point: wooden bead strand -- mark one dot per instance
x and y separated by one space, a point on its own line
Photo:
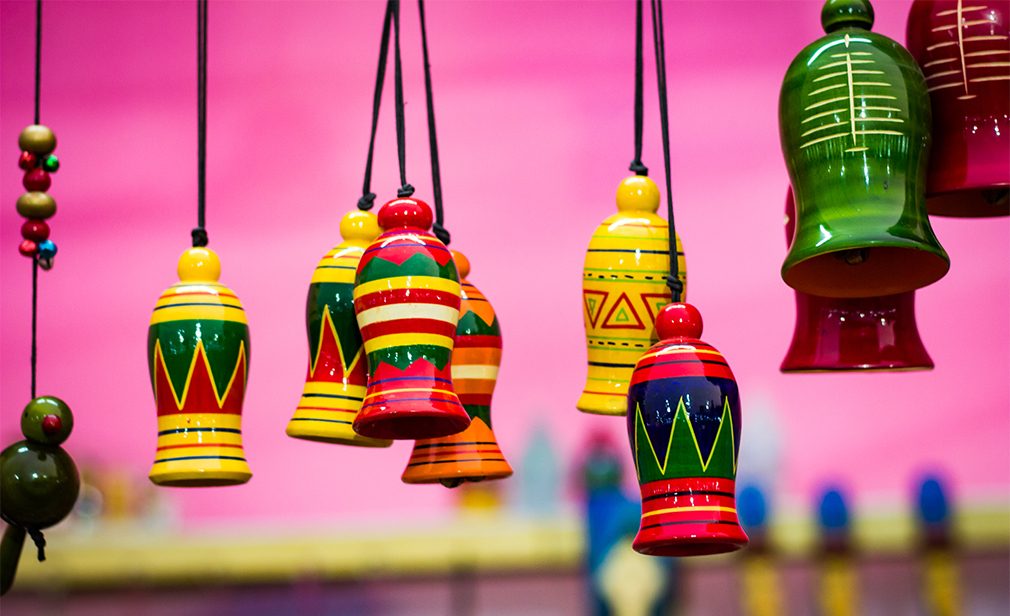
37 160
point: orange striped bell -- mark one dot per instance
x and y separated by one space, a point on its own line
473 454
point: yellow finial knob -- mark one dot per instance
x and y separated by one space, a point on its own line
359 227
462 263
637 193
199 265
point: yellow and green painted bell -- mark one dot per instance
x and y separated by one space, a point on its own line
198 355
338 370
623 288
854 119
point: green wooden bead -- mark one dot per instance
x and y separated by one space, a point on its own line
51 163
47 420
39 484
37 139
37 205
838 14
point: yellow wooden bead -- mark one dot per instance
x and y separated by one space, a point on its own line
37 139
199 265
359 227
637 193
37 205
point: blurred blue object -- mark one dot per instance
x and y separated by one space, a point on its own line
833 512
612 520
752 508
933 509
538 482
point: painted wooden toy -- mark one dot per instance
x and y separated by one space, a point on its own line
407 298
623 288
853 333
198 355
964 51
684 427
761 586
338 371
855 127
37 160
473 454
939 575
838 592
39 482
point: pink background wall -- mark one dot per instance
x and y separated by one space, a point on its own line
534 112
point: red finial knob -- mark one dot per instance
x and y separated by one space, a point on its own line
678 321
51 424
405 212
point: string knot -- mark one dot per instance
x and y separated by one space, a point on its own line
676 287
199 237
441 233
638 168
405 191
367 201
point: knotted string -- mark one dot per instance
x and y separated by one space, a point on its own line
367 199
636 163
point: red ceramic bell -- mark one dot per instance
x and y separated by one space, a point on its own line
963 50
866 333
406 301
684 428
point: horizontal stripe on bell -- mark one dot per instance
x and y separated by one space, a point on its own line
198 312
445 453
473 371
403 381
471 341
400 283
192 421
395 312
412 327
183 458
469 399
406 297
406 340
680 369
334 388
393 401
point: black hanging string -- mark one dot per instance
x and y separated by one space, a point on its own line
367 199
436 173
673 280
406 189
200 232
35 258
636 163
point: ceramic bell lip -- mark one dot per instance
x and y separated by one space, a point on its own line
962 50
406 300
848 334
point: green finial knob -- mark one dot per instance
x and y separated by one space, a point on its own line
838 14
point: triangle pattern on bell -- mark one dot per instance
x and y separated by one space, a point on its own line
654 302
594 301
622 315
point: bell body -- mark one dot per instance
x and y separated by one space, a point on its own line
859 333
854 121
473 454
338 371
407 298
963 49
623 288
198 355
684 428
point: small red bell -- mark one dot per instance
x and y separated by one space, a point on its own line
865 333
962 50
684 427
406 301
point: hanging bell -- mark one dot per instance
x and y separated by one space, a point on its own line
857 333
473 454
684 427
854 121
338 370
623 288
407 298
963 51
198 355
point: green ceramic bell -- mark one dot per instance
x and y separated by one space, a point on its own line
854 120
39 482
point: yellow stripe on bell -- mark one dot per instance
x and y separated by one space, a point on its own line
336 381
623 288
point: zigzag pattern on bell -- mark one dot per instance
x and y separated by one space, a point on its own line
407 300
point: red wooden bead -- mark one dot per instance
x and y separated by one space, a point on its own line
27 161
35 230
37 180
27 248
